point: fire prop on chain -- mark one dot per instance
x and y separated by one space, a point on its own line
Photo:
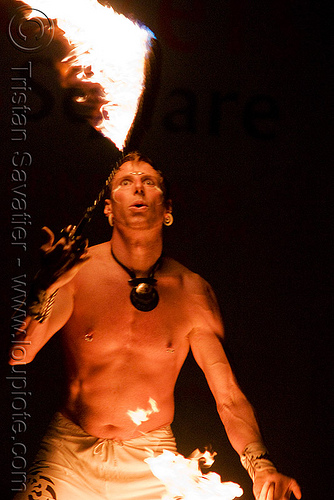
110 52
107 49
184 480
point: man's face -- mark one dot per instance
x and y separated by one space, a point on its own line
136 196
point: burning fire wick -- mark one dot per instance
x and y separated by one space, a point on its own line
183 478
140 415
108 56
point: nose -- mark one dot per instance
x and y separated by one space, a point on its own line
138 186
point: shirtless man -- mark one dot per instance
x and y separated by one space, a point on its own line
120 357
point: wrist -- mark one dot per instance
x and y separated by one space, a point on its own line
44 281
255 459
40 302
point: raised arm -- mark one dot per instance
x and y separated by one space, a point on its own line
50 300
234 409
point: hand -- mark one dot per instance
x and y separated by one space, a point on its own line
61 261
271 485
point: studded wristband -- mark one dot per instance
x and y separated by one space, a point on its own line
255 458
40 304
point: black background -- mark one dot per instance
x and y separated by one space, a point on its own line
242 128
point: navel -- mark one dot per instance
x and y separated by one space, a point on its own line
89 337
170 348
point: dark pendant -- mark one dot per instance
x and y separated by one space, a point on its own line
144 297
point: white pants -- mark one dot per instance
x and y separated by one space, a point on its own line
72 465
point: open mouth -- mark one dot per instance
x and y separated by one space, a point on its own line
139 205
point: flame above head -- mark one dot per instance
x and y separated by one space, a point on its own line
183 478
108 49
140 415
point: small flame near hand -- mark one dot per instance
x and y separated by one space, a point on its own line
184 480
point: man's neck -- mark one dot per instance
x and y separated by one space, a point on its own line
137 250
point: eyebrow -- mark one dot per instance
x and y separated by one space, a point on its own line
123 175
144 174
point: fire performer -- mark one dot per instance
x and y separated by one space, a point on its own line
128 316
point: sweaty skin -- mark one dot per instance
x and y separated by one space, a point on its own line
120 359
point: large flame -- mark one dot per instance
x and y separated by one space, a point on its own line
184 480
182 476
109 50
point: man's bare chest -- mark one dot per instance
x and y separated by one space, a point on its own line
104 318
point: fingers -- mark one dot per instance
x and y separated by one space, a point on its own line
61 260
50 238
277 488
295 489
264 491
270 494
80 245
66 252
67 232
68 240
267 492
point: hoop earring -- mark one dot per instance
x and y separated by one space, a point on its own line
169 219
110 220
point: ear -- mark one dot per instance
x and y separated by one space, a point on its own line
107 207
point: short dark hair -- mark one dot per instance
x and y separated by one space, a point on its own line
137 157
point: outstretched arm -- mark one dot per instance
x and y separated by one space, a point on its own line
234 409
50 300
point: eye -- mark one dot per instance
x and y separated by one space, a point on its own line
149 182
125 182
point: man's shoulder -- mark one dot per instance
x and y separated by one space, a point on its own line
99 246
97 257
199 298
101 250
188 277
